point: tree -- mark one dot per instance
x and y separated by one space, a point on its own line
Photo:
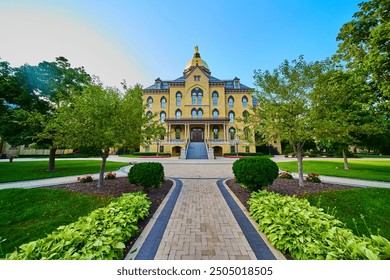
284 105
32 94
364 47
340 112
101 118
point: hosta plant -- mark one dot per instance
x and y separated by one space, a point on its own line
306 232
99 236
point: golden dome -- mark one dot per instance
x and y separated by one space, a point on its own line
196 61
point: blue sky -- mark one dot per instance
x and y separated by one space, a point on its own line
141 40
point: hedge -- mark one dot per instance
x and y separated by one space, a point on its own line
98 236
293 226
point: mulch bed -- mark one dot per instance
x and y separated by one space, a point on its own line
284 187
116 188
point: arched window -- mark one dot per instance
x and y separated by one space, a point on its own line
163 102
149 114
232 133
177 132
163 115
244 102
215 114
215 132
246 133
245 115
215 98
231 116
193 113
178 114
200 113
231 102
150 102
178 98
197 96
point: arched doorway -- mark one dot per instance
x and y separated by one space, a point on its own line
176 151
217 151
197 134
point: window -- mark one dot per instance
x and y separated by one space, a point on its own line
163 116
232 133
147 149
246 133
178 98
245 115
161 149
177 132
193 113
149 114
215 98
215 132
200 113
236 84
231 116
150 102
215 114
244 102
247 149
200 95
196 78
231 102
232 149
178 114
163 102
193 98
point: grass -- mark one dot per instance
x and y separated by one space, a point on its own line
32 170
30 214
349 205
376 170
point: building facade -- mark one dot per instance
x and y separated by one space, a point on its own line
200 108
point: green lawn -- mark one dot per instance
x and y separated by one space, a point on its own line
31 170
377 170
372 203
30 214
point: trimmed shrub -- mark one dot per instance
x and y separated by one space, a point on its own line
150 154
99 236
255 172
147 175
243 154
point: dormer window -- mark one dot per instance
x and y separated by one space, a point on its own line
236 83
157 83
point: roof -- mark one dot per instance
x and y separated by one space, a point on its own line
228 83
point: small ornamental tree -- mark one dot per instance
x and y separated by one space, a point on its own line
255 172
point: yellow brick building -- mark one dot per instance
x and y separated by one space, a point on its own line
198 109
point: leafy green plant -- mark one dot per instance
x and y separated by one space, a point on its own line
255 172
98 236
292 225
147 175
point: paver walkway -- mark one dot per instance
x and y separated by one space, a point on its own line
203 227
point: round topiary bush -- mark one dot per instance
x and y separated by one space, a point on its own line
147 175
255 172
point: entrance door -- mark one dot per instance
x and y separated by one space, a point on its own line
197 135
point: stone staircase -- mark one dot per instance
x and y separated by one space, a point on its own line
197 150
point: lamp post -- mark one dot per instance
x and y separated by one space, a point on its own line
237 141
158 146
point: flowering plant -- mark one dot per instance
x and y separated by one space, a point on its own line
110 175
85 179
313 177
285 175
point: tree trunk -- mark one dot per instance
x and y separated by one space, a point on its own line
52 159
101 175
300 168
346 166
